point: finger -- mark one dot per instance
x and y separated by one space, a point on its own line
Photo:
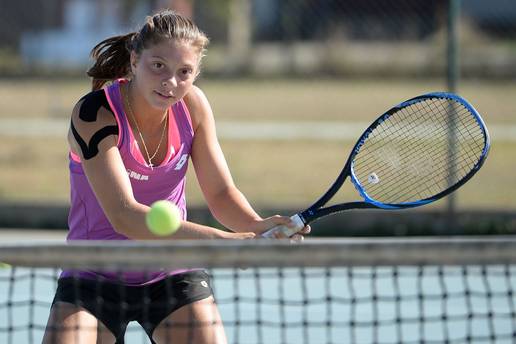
280 235
281 220
296 238
249 235
306 230
277 221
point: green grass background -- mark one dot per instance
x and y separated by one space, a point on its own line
270 173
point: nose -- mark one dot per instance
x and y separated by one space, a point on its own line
169 82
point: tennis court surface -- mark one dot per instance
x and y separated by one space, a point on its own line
407 290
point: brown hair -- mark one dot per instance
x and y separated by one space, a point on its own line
113 55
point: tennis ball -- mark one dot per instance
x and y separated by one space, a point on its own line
164 218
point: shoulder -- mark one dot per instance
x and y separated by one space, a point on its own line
93 110
198 106
92 121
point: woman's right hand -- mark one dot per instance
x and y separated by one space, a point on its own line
237 236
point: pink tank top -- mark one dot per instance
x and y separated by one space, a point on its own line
87 220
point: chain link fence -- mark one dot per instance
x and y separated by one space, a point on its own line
310 66
270 37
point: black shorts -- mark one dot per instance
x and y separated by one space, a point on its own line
115 304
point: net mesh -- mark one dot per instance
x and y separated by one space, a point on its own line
458 290
419 151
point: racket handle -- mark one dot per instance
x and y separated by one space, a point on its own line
287 231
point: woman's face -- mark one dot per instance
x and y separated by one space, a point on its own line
165 72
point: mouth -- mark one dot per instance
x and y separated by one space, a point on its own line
164 95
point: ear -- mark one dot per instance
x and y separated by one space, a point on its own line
134 61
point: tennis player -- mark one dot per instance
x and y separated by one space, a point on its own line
130 142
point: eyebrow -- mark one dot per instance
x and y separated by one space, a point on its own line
165 60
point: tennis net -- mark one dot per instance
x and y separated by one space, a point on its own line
410 290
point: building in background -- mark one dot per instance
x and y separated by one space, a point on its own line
83 24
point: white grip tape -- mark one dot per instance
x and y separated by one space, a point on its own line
287 231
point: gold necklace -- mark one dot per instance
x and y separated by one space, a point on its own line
149 158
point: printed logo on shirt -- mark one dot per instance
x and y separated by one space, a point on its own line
137 176
183 160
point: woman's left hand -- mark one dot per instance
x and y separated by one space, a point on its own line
276 220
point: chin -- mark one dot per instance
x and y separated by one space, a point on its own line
162 102
159 104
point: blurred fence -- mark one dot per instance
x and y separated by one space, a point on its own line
271 37
365 55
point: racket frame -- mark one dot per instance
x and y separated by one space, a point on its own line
317 209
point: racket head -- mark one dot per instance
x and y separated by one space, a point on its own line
418 152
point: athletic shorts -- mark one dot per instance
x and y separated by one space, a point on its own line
115 304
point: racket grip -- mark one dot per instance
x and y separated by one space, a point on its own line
287 231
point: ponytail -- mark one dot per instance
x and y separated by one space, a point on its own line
112 60
113 55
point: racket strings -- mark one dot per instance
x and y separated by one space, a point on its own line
449 162
419 151
417 165
438 163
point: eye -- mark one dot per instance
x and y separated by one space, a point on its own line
186 71
157 65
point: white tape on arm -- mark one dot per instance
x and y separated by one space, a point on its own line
287 231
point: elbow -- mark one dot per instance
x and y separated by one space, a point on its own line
215 200
118 225
219 195
124 218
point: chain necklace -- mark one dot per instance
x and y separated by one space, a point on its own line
149 157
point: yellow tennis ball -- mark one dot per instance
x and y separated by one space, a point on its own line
164 218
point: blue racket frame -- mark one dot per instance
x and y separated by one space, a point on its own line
316 210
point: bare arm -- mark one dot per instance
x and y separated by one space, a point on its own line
109 180
226 202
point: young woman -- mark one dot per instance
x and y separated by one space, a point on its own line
130 142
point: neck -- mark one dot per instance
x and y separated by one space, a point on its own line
149 119
148 138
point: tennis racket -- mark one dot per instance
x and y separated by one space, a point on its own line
416 153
